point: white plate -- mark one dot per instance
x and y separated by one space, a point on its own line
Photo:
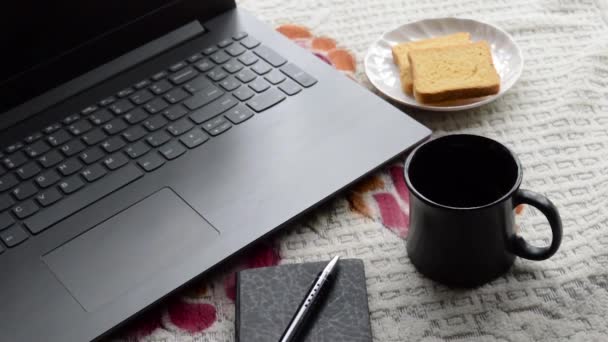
384 74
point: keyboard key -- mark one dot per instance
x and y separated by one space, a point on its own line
290 88
94 137
137 150
121 107
215 108
158 138
211 124
204 65
183 76
25 209
142 84
177 66
246 76
115 161
198 84
28 170
269 56
217 74
209 50
243 93
134 133
77 201
203 97
101 117
71 184
93 173
220 129
235 50
6 202
239 114
37 149
24 190
172 150
107 101
230 83
113 144
125 92
141 97
151 162
33 137
175 112
249 42
135 116
15 160
50 159
73 147
194 138
176 95
298 75
13 236
155 123
115 126
161 87
159 75
232 66
59 137
6 220
92 155
69 167
88 110
71 119
275 77
80 127
194 58
180 127
52 128
266 100
224 42
220 57
239 35
259 85
8 181
48 178
13 147
156 106
48 197
248 58
261 68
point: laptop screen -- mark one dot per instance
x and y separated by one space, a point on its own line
37 37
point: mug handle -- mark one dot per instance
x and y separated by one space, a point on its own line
523 249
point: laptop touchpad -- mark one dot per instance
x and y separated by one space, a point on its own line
130 247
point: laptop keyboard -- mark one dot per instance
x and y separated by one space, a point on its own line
53 173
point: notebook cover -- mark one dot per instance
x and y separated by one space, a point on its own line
268 297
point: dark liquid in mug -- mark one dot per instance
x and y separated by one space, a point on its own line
463 174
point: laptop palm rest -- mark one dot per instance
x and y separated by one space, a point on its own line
128 248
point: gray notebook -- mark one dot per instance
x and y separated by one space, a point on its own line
268 297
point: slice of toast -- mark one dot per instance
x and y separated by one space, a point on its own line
454 72
400 53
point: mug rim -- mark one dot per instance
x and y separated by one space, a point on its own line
425 199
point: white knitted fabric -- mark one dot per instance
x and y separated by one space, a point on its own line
555 118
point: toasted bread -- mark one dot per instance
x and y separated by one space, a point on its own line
400 53
454 72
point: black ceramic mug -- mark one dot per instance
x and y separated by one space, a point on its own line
463 189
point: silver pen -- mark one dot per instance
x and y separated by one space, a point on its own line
306 306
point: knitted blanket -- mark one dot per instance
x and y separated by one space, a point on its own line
555 118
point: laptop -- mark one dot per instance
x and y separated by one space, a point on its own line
143 142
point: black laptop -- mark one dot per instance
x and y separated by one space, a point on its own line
145 141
